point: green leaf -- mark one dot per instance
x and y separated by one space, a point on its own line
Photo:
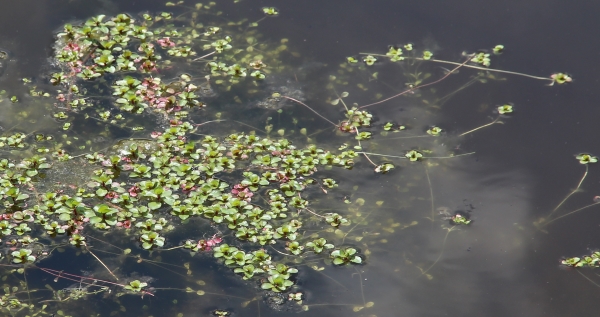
31 173
154 205
101 192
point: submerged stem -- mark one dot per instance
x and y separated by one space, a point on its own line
384 155
201 57
283 253
97 258
569 213
314 213
431 195
469 66
587 278
429 157
359 144
481 127
356 225
571 193
311 109
362 292
445 157
419 86
441 252
27 287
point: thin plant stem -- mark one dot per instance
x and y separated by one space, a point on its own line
359 144
356 225
409 137
250 25
185 290
201 57
441 252
428 157
331 278
384 155
430 194
311 109
325 304
481 127
173 248
443 100
155 263
315 133
14 126
82 154
571 193
569 213
283 253
27 286
342 100
81 279
587 278
142 259
419 86
97 258
223 120
369 159
203 123
112 245
314 213
263 131
446 157
362 293
468 66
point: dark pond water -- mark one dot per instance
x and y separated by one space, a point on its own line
501 264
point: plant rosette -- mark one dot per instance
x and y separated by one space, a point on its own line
345 256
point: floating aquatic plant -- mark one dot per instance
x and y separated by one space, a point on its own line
590 260
427 55
270 11
434 131
481 58
413 155
586 158
135 286
460 219
370 60
561 78
498 49
345 256
505 109
255 197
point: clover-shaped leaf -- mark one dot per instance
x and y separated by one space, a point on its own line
434 131
505 109
345 256
427 55
498 49
413 155
135 286
586 158
270 11
561 78
369 60
384 168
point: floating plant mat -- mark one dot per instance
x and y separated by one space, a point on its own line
140 178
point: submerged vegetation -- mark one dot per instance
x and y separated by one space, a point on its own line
261 204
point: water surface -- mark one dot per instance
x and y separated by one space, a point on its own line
500 265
